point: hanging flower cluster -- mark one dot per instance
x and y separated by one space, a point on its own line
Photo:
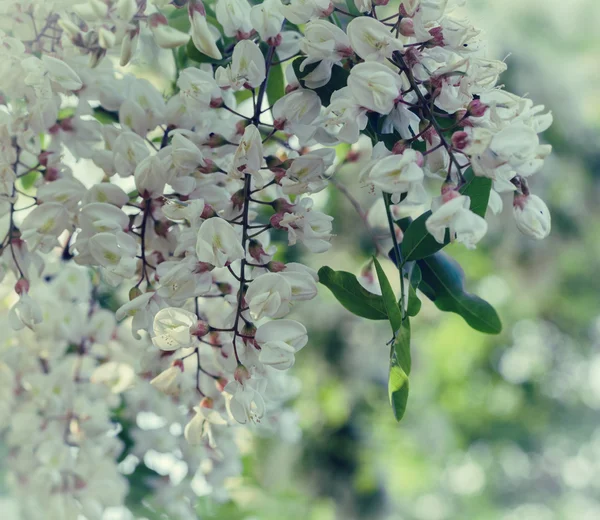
178 199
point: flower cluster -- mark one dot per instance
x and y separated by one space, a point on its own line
178 200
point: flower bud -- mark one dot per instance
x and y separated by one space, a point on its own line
532 216
22 286
165 36
134 292
241 374
200 329
476 108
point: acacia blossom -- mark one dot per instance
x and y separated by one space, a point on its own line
146 209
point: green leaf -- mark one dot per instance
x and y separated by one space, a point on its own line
400 365
106 117
389 298
415 278
339 79
443 283
27 181
353 296
276 82
179 19
478 188
418 243
398 389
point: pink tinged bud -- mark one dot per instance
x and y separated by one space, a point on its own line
325 13
221 383
196 6
238 199
291 88
157 19
215 141
449 192
256 250
203 267
208 212
216 102
244 35
279 174
179 364
207 402
400 147
279 124
200 329
381 2
209 167
283 206
43 158
241 374
476 108
460 140
22 286
438 36
276 219
240 127
51 174
276 41
353 156
407 27
419 160
249 330
276 267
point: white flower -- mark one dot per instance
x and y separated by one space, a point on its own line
169 381
267 20
151 175
246 404
172 328
25 313
218 243
115 252
372 40
234 16
186 156
279 341
117 376
301 280
66 191
247 67
326 44
269 295
295 113
301 11
249 154
375 86
454 214
396 173
44 224
61 73
201 426
165 36
142 309
202 36
197 88
532 216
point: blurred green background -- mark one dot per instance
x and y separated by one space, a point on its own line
498 427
